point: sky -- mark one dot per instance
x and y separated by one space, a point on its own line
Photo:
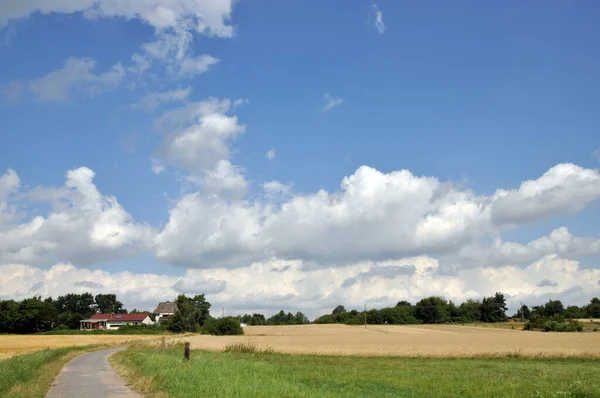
299 155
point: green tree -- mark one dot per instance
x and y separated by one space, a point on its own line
554 307
340 309
523 313
593 308
191 314
573 312
493 309
76 304
432 310
301 319
470 311
108 304
33 315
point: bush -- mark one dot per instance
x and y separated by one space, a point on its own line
60 327
223 327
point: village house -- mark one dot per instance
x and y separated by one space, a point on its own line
164 310
113 321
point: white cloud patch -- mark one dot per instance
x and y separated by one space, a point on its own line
151 101
317 291
331 102
373 216
83 227
270 154
379 25
157 166
175 25
596 154
76 75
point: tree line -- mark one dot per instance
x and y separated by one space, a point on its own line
281 318
552 316
34 315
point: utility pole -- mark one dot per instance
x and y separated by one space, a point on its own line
365 315
522 314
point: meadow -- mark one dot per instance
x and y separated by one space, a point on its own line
164 373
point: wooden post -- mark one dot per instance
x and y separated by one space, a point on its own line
186 353
164 345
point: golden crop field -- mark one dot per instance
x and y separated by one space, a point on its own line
11 345
413 340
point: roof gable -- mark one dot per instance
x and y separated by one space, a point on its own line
166 307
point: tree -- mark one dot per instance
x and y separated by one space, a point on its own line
470 311
301 319
554 307
71 303
108 304
33 315
593 308
493 309
523 313
191 314
340 309
432 310
403 304
574 312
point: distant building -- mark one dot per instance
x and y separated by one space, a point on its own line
113 321
164 310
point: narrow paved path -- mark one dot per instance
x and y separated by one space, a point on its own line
90 376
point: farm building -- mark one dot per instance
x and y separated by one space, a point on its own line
113 321
164 310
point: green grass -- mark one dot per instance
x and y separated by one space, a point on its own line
164 373
30 375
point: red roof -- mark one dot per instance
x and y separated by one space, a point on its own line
119 317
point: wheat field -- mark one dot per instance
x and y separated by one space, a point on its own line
412 341
11 345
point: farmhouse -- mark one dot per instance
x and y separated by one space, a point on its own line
164 310
113 321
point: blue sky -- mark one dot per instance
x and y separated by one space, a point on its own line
478 96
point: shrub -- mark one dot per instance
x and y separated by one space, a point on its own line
223 327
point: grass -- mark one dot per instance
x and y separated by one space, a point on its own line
30 375
241 372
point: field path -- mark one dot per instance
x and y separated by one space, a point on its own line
91 376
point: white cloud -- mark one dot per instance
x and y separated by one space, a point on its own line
208 17
289 285
379 25
596 154
151 101
175 25
76 74
195 66
331 102
270 154
373 216
157 166
84 227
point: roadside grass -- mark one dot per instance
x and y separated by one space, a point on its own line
244 371
30 375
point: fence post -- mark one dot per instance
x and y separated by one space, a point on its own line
164 345
186 353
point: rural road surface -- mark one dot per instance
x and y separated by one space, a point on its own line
90 376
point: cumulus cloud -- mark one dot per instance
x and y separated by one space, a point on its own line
379 25
84 226
270 154
374 215
331 102
293 288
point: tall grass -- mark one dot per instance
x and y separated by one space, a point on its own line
164 373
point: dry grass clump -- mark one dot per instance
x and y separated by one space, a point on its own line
247 347
418 341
